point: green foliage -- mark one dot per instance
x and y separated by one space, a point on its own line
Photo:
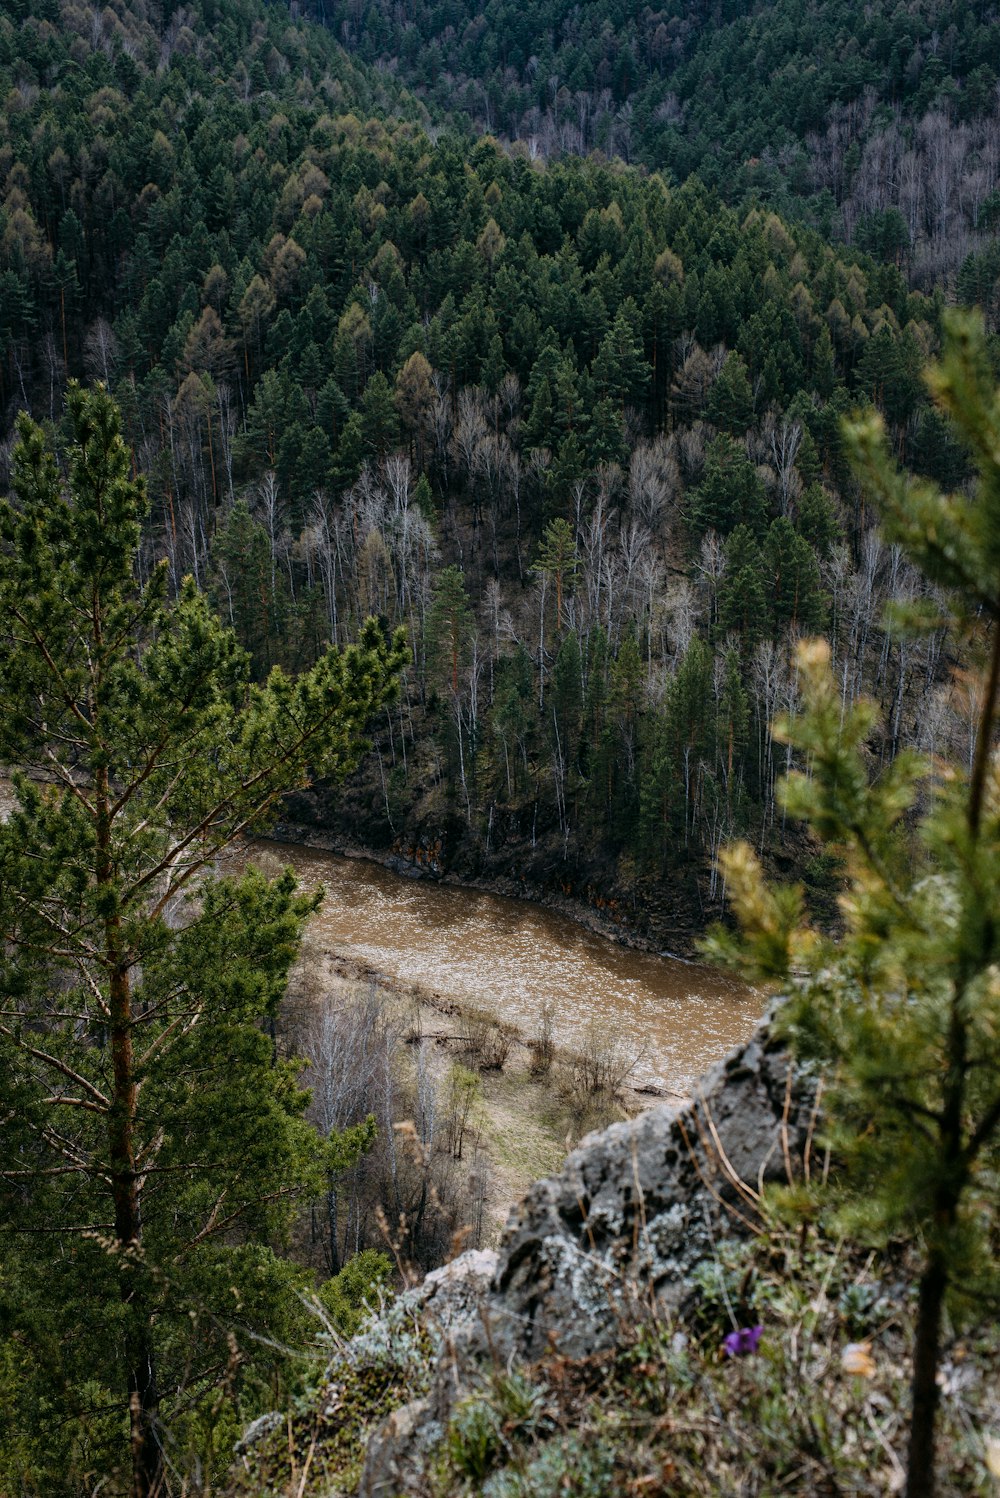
902 1012
348 1297
290 289
568 1465
816 520
728 95
730 492
795 591
449 626
557 561
743 599
730 405
664 1407
157 1141
475 1441
484 1428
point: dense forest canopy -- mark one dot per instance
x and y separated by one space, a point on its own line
575 428
878 122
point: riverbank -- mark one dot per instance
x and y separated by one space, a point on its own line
525 1113
487 951
432 1007
606 916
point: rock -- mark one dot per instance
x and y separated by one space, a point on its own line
638 1206
623 1225
449 1302
395 1458
453 1295
257 1430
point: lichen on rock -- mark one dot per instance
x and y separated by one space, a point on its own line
616 1234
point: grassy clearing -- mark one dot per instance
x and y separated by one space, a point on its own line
523 1119
523 1130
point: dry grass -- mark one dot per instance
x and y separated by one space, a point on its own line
819 1409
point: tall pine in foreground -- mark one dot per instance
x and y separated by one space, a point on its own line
903 1012
153 1143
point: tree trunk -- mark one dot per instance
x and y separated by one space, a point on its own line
332 1230
139 1358
143 1398
926 1352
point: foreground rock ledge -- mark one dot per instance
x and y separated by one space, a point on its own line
638 1205
634 1210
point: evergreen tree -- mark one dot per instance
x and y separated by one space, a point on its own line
816 520
935 451
247 589
730 492
414 396
679 748
620 369
743 598
903 1011
379 423
730 405
795 590
557 560
148 1126
449 625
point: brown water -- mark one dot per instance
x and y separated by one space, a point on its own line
507 955
675 1018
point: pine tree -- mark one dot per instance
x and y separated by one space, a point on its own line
730 492
449 626
247 590
414 396
148 1125
557 560
620 370
730 405
794 589
379 423
743 601
903 1012
816 519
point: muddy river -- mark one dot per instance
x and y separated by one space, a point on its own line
506 955
673 1017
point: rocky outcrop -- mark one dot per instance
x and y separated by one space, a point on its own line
638 1205
624 1224
448 1304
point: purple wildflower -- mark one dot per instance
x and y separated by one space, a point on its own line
741 1342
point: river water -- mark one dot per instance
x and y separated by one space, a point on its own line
506 955
674 1018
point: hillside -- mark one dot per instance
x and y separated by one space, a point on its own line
524 467
575 429
877 123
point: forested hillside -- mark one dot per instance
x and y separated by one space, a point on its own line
568 422
879 122
575 429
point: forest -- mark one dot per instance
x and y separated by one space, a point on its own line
876 124
575 428
528 338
